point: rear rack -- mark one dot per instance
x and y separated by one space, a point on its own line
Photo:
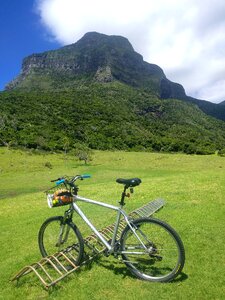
53 268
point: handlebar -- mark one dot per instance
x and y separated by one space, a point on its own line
70 180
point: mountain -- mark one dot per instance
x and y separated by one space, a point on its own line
215 110
102 58
101 93
95 57
222 103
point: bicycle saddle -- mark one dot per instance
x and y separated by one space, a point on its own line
129 182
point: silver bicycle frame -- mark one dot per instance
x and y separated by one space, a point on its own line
120 212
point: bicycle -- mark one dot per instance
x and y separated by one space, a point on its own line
150 248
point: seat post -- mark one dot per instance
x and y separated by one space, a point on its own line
122 203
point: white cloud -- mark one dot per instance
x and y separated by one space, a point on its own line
186 38
212 92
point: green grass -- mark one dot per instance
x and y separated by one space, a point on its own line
194 190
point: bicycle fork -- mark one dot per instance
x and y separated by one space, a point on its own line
64 237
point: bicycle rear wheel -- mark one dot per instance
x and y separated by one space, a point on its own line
160 255
55 236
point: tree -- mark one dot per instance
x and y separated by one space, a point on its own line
7 130
82 152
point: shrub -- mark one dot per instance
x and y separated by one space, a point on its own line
221 152
48 165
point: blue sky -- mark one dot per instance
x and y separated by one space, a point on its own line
21 35
186 38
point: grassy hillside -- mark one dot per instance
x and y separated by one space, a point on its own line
194 190
106 116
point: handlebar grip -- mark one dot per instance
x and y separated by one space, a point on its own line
85 176
60 181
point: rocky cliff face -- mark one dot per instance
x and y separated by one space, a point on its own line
97 57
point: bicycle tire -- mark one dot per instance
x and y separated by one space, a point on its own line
165 257
48 239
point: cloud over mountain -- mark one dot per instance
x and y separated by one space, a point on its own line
184 37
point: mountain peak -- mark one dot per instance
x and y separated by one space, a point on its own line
94 38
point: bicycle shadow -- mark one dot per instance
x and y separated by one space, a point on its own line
180 278
118 268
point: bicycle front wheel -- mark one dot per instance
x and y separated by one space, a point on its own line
153 250
55 236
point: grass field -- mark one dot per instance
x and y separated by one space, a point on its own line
192 186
